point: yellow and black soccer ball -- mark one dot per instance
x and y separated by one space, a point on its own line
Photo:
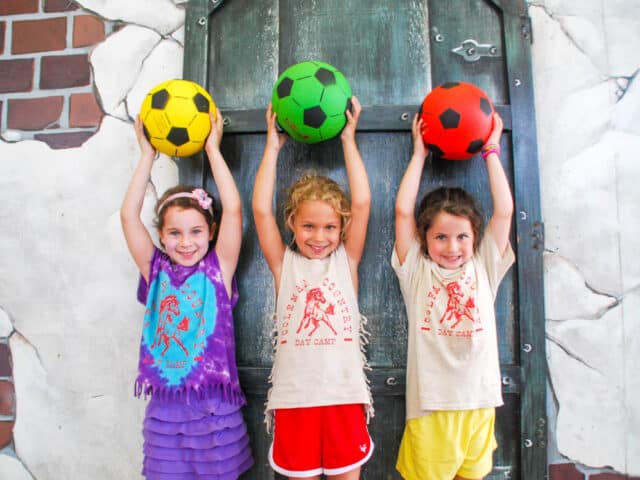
175 116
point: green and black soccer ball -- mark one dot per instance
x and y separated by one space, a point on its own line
310 100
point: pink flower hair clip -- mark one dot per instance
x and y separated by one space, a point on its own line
203 198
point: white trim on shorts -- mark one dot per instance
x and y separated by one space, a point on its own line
319 471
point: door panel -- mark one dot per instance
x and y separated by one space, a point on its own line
391 53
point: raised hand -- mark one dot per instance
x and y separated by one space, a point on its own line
217 124
146 149
275 139
419 147
349 131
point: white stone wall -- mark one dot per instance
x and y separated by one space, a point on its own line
586 56
67 284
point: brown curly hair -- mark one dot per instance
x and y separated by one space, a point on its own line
212 217
312 186
453 200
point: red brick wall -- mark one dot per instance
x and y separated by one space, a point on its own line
569 471
46 83
7 396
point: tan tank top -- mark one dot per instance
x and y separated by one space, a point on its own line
318 355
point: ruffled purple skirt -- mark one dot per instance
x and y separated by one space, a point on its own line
202 440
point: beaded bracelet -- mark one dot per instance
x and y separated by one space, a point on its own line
489 149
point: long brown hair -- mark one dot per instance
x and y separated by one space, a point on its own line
212 217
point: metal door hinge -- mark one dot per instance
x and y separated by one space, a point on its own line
538 235
525 27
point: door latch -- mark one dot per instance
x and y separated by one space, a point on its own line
472 51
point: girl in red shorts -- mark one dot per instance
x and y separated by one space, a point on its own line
319 397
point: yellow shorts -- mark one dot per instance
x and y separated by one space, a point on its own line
444 444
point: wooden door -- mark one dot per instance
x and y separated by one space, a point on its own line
392 53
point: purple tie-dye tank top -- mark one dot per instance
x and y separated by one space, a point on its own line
188 345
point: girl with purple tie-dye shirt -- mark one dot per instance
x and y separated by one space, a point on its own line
193 427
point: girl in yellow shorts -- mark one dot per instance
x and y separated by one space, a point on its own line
449 267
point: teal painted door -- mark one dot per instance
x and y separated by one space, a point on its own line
392 53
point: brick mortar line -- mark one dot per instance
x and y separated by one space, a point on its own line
21 17
48 53
35 93
52 131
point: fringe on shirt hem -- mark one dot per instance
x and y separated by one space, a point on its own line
364 336
364 341
189 392
268 414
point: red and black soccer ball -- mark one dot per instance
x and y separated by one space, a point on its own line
457 118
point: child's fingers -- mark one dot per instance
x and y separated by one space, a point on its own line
269 114
496 131
357 108
219 119
417 125
497 121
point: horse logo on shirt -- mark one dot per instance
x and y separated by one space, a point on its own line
168 329
315 312
457 311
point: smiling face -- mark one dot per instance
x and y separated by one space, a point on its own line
316 229
185 235
450 240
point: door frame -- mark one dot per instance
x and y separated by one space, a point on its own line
528 378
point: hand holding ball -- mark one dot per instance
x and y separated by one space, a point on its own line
457 118
175 116
310 99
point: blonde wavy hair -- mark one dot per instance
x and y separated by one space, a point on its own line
310 187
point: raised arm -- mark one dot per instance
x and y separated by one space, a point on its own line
356 233
230 229
266 226
135 233
408 192
500 221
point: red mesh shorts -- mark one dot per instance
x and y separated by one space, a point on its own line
315 440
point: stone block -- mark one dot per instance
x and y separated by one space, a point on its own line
84 110
46 35
34 113
12 468
16 75
87 30
6 432
564 471
7 399
65 71
608 476
59 141
59 6
15 7
116 63
6 327
586 364
3 27
6 365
